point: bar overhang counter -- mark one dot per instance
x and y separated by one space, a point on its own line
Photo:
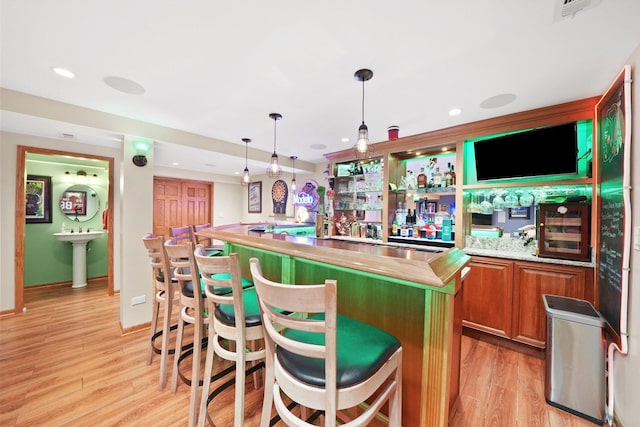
414 295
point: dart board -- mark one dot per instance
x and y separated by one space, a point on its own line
279 194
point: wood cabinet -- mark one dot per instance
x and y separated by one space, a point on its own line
488 296
530 281
504 297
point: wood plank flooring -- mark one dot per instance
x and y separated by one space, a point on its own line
64 363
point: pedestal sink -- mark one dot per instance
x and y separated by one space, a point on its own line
79 242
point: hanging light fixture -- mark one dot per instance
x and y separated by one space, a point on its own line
293 180
246 179
274 170
363 148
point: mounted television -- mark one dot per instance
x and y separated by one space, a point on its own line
544 151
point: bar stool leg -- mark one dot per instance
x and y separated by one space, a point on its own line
195 374
208 370
176 355
154 328
166 328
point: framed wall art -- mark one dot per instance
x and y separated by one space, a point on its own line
38 199
520 212
255 197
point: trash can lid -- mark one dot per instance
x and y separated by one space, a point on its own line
573 309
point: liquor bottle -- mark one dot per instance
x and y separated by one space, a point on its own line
448 177
453 176
410 221
437 178
422 179
441 215
394 226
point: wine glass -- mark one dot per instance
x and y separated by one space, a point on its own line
511 201
526 200
498 202
474 207
486 207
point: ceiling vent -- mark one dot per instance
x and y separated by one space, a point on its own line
568 8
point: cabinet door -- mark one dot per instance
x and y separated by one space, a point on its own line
531 281
488 296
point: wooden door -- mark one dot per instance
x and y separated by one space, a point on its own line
178 202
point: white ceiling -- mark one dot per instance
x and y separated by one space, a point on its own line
217 69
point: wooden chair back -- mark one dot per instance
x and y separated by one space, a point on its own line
181 234
311 332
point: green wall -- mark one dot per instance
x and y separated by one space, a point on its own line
48 260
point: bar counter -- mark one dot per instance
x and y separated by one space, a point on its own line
415 295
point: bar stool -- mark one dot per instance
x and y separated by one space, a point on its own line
192 312
322 360
230 339
164 289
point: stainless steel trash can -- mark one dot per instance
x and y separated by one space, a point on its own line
575 357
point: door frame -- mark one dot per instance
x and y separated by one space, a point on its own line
21 212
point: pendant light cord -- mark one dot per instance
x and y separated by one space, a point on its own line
362 101
275 123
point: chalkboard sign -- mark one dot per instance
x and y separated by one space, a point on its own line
613 154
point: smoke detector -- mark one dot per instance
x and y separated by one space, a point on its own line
568 8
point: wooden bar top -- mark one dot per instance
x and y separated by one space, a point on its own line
409 264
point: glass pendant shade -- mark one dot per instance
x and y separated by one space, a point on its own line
274 170
294 187
362 148
362 145
246 179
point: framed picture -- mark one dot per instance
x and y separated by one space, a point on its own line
255 197
74 203
38 199
521 212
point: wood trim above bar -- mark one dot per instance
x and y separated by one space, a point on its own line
424 267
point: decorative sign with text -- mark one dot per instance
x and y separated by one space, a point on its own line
308 196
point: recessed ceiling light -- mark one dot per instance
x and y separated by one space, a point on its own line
498 100
345 139
175 164
124 85
63 72
455 111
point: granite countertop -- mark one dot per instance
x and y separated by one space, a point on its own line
510 248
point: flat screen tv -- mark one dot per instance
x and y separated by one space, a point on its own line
544 151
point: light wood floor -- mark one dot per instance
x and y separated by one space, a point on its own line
64 362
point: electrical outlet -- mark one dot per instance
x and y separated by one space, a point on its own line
138 300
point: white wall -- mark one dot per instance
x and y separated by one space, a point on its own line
627 368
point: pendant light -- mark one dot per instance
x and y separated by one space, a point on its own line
246 179
363 148
293 180
274 170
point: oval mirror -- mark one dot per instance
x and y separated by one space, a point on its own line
80 203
